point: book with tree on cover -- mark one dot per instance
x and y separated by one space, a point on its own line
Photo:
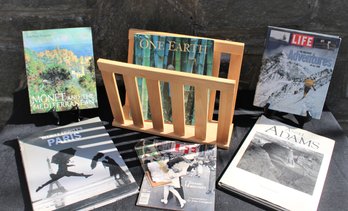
178 175
60 69
296 71
280 166
193 55
74 167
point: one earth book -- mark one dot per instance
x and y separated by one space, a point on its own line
185 54
178 175
74 167
280 166
296 71
60 69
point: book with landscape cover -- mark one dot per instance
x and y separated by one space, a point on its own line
280 166
185 54
74 167
178 175
60 69
296 70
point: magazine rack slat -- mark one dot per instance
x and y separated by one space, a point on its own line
205 130
209 132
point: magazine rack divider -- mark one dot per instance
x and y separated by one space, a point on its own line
206 130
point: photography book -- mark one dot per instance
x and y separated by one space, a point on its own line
60 69
280 166
178 175
185 54
74 167
296 71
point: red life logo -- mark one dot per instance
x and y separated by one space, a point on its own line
302 40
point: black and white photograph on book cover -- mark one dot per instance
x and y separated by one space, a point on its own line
282 162
186 173
74 167
280 166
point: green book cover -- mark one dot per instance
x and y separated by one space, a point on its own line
60 69
193 55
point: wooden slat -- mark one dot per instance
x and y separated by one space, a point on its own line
134 101
201 112
178 107
155 101
224 46
126 106
165 75
225 116
216 67
234 74
113 96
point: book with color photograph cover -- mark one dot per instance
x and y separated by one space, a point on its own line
280 166
178 176
74 167
296 71
60 69
193 55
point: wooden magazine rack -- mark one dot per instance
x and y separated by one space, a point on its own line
206 130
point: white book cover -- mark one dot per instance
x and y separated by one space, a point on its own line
74 167
280 166
296 71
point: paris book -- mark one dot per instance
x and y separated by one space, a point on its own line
280 166
296 71
176 53
60 69
178 175
74 167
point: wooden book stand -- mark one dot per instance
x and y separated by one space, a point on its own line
206 130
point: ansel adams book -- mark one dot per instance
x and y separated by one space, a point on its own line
60 69
296 70
178 175
185 54
280 166
74 167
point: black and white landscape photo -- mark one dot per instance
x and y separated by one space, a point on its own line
282 162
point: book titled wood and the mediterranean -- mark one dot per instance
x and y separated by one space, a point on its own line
296 71
75 167
176 53
280 166
60 69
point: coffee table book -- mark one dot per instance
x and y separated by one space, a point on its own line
280 166
74 167
176 53
60 69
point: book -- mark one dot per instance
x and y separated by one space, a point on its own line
74 167
193 55
280 166
178 175
60 69
296 71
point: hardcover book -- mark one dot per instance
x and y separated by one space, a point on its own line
60 69
74 167
178 176
184 54
296 71
280 166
